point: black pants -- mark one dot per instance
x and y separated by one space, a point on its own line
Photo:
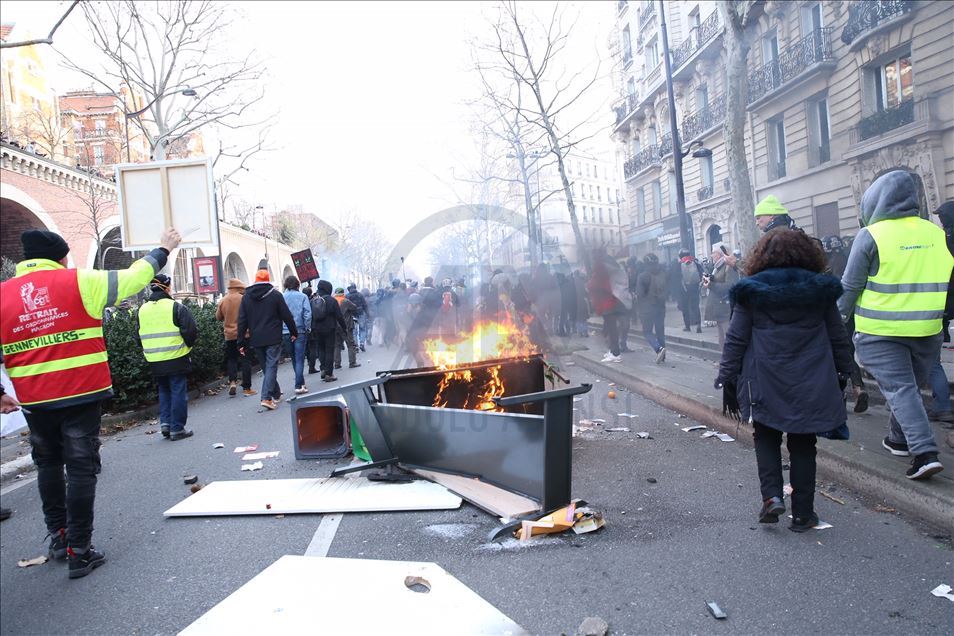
801 451
326 351
690 308
234 360
311 351
611 331
67 437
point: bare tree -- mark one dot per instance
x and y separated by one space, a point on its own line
168 52
49 38
44 129
368 248
96 208
529 55
243 212
230 162
738 18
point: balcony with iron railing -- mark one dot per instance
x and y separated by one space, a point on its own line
708 191
627 108
648 156
621 6
665 145
97 133
706 118
698 38
886 120
795 62
867 16
646 14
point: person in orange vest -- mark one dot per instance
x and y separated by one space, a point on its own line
51 331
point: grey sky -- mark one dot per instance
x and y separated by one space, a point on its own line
372 97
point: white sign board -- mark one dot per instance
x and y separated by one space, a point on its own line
154 196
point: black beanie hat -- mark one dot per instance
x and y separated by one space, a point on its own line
43 244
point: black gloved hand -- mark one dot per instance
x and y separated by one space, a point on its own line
842 382
717 385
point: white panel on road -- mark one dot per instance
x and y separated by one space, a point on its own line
323 595
319 495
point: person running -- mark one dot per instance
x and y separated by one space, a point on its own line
786 355
651 291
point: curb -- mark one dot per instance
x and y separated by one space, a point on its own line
924 504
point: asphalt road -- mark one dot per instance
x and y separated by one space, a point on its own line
667 548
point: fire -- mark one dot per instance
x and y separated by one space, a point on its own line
488 340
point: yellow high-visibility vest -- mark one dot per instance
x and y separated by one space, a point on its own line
160 337
906 298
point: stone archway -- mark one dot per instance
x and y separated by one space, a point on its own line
441 219
235 268
110 252
17 218
288 271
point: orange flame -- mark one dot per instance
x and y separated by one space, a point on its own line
488 340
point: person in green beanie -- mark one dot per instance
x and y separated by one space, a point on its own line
770 214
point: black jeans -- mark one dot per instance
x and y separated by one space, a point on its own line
690 308
326 351
67 437
611 331
234 360
311 351
801 452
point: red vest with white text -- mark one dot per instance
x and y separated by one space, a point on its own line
53 350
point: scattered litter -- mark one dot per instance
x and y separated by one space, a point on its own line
708 434
263 455
451 530
218 445
941 591
592 626
611 395
832 497
25 563
587 423
509 543
715 610
151 432
591 521
599 420
694 427
246 449
881 508
651 480
190 479
279 516
725 438
681 416
195 488
643 435
788 490
618 429
553 523
255 466
629 415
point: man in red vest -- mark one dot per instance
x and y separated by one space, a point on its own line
51 330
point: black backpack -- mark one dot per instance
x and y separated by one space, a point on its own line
319 308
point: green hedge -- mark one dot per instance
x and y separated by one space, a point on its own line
133 383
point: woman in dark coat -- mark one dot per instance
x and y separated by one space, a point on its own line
787 353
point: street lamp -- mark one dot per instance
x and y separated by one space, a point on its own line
188 92
264 231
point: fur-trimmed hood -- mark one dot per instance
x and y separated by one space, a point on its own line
786 288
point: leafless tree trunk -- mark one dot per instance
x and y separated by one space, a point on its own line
368 248
737 17
48 39
43 129
96 208
530 56
159 50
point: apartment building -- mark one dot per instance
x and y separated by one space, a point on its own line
595 185
838 93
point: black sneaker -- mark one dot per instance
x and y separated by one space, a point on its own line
896 449
177 435
771 509
164 429
804 524
57 549
5 513
82 564
923 466
354 366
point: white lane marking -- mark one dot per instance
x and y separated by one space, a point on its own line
20 483
324 535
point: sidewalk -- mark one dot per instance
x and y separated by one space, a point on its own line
684 384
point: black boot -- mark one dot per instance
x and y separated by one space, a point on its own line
82 563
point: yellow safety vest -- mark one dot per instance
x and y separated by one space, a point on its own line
160 337
906 298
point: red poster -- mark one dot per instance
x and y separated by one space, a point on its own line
305 265
205 273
